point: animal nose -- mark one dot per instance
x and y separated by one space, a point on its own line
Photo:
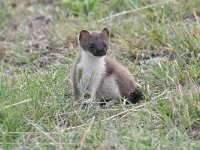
101 52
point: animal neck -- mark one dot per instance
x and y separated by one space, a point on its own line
90 60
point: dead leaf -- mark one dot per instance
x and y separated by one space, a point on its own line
196 35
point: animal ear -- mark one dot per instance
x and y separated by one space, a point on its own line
105 31
83 34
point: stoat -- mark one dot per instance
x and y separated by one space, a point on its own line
102 77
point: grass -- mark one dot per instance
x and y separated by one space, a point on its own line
160 46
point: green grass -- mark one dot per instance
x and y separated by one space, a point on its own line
159 45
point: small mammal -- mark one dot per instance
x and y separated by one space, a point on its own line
102 77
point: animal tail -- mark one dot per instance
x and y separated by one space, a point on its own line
136 96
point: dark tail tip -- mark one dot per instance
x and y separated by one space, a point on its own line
136 96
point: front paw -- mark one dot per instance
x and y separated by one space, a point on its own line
86 104
88 101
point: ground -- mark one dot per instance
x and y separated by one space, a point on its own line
158 41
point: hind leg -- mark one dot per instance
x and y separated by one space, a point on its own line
110 89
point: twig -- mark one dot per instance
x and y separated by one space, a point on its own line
133 10
158 96
195 15
99 110
132 109
18 133
21 102
38 143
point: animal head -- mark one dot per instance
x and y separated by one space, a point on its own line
94 42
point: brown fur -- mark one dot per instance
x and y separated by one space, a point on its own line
99 40
124 79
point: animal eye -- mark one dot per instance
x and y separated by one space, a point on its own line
104 44
91 46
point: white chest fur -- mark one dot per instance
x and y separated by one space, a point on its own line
91 70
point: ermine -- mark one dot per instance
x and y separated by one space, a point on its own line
102 77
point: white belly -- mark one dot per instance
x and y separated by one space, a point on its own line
90 78
92 71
